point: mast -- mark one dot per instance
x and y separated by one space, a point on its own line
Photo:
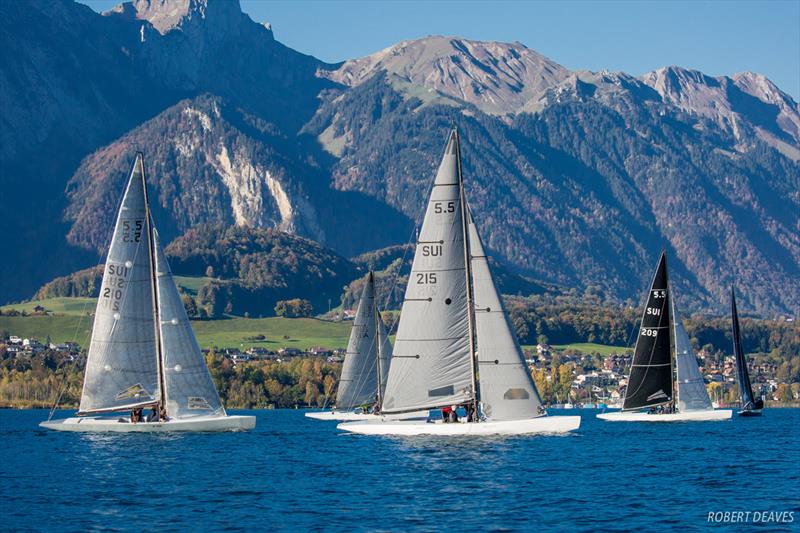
468 271
162 406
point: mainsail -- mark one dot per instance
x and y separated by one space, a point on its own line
190 390
358 384
742 375
692 394
122 364
507 390
650 381
432 360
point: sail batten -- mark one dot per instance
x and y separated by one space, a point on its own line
121 367
507 390
431 366
650 382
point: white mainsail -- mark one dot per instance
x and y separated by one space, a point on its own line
190 391
358 384
692 393
432 364
122 364
507 390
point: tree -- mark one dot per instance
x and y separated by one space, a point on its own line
541 339
189 305
294 308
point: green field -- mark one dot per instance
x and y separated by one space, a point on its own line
61 328
191 285
302 333
590 348
61 306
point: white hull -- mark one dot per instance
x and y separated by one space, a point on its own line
105 425
543 424
351 416
688 416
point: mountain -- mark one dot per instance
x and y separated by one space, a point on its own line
576 178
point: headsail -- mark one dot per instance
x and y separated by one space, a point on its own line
650 381
507 390
190 390
121 366
691 394
432 365
742 375
358 384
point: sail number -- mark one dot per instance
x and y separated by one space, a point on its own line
431 250
132 232
647 332
659 293
653 311
114 286
426 278
444 207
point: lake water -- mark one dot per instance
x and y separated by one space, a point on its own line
294 473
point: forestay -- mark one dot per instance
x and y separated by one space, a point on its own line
691 394
358 384
121 367
507 390
650 381
190 390
431 365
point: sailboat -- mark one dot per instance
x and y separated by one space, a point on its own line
751 406
454 343
649 395
366 364
143 353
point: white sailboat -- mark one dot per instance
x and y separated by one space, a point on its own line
143 353
366 365
649 396
454 344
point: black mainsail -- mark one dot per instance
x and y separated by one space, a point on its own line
650 381
749 403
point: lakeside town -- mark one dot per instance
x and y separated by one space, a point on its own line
566 377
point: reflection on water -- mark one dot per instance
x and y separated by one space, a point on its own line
293 473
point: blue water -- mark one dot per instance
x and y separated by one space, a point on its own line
293 473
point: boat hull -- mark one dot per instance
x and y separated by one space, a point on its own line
688 416
344 416
543 424
749 412
111 425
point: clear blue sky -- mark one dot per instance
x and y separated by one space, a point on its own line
716 37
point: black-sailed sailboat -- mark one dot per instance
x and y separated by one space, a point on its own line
751 406
650 394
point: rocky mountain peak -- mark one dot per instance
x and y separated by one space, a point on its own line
498 78
167 15
739 104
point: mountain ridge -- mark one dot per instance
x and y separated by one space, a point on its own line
575 177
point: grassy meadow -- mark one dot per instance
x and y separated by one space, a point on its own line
70 321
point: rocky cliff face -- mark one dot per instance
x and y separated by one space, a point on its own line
577 178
